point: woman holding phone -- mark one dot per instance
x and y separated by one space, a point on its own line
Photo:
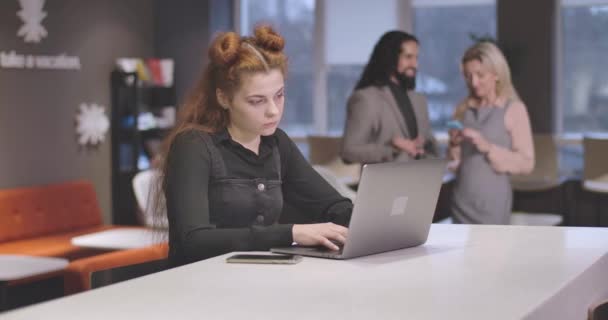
229 170
495 140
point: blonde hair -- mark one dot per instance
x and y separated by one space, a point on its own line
490 56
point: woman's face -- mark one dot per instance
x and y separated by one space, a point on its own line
257 106
480 79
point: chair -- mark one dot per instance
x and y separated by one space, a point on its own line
538 194
596 156
595 170
325 151
546 170
335 182
595 175
144 188
598 311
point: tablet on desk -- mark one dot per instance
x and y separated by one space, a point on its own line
264 258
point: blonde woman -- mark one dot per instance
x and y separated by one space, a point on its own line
495 142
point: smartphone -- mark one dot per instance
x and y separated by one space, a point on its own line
264 258
454 124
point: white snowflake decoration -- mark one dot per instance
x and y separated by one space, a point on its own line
92 124
32 15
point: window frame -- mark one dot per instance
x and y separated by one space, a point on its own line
565 137
320 108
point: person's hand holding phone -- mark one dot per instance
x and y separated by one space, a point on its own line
455 128
420 142
319 234
407 145
477 139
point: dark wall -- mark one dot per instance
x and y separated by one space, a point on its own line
183 30
526 32
37 107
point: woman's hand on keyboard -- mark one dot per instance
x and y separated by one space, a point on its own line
319 234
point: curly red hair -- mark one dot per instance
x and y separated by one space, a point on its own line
230 57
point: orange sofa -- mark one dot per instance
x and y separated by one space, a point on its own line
42 220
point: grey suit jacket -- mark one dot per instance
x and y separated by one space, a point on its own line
373 118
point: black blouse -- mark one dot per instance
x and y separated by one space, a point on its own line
193 236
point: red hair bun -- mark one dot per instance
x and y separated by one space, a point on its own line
268 39
224 49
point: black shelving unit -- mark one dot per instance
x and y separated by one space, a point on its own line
130 98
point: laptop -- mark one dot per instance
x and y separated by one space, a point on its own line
393 210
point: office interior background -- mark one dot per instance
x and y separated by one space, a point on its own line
556 49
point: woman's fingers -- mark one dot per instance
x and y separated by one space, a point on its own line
472 135
339 229
328 244
340 238
329 235
336 233
332 234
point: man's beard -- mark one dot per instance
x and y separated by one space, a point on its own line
406 82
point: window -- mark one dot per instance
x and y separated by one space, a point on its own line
295 20
348 46
445 30
344 44
584 75
341 80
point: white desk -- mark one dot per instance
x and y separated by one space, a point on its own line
599 184
17 267
121 239
596 186
463 272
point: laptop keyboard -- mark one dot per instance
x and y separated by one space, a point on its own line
315 251
324 251
330 253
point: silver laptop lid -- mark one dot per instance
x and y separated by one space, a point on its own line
394 207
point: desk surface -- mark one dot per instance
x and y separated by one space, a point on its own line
462 272
16 267
120 239
600 186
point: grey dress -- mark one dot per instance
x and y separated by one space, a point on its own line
481 195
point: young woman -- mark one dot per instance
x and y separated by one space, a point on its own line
496 140
229 171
